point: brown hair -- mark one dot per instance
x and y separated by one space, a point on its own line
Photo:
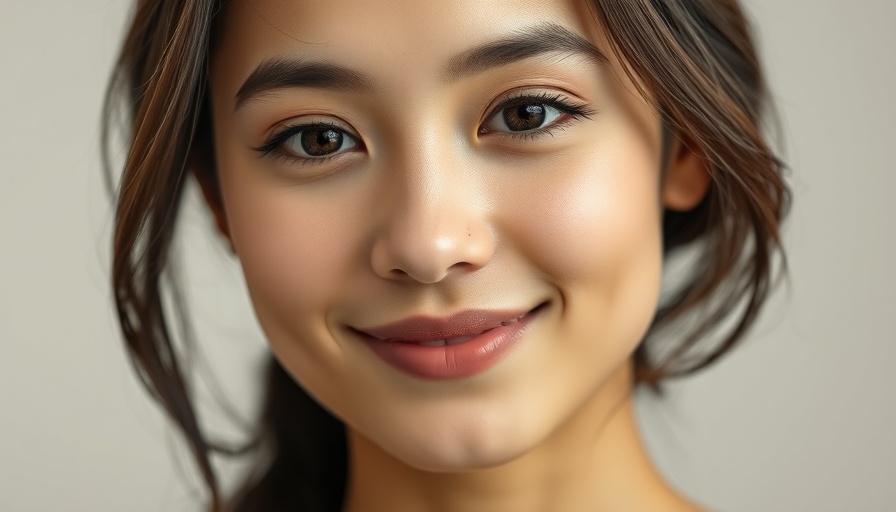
696 59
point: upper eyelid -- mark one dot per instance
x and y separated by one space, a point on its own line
524 94
294 128
293 123
536 91
547 95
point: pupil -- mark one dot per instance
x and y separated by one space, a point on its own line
524 117
321 142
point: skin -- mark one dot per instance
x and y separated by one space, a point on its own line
430 214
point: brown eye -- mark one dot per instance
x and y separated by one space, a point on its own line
319 141
523 117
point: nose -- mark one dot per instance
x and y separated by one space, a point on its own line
435 223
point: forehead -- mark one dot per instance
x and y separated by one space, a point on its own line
414 37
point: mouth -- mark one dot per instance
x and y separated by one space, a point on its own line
450 330
453 347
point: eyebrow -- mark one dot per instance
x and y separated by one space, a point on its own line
529 42
536 40
283 73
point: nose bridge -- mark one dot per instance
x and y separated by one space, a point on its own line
434 223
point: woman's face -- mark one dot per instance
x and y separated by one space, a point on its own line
390 161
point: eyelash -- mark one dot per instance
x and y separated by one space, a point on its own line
277 140
559 102
563 105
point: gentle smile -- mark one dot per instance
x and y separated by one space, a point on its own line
454 347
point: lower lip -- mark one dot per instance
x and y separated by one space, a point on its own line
450 362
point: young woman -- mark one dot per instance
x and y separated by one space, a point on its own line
453 219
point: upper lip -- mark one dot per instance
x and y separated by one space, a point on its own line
462 323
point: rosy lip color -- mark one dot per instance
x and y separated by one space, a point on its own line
465 355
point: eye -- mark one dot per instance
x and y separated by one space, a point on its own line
532 115
319 141
523 117
310 142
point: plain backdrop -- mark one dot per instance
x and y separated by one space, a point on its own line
801 418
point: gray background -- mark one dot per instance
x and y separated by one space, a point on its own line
801 418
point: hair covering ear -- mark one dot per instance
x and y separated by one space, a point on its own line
202 165
685 172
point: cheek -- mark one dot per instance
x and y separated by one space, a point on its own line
298 248
286 254
594 230
594 217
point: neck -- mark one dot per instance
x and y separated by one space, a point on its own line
595 462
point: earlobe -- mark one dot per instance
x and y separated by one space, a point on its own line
687 178
203 169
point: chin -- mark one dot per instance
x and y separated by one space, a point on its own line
455 445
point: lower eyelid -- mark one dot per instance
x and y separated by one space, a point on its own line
293 160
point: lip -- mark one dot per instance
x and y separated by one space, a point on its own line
454 347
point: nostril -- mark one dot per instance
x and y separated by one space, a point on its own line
463 266
419 275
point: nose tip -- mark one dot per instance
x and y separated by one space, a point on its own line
428 255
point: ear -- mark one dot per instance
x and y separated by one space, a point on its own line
687 177
203 168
